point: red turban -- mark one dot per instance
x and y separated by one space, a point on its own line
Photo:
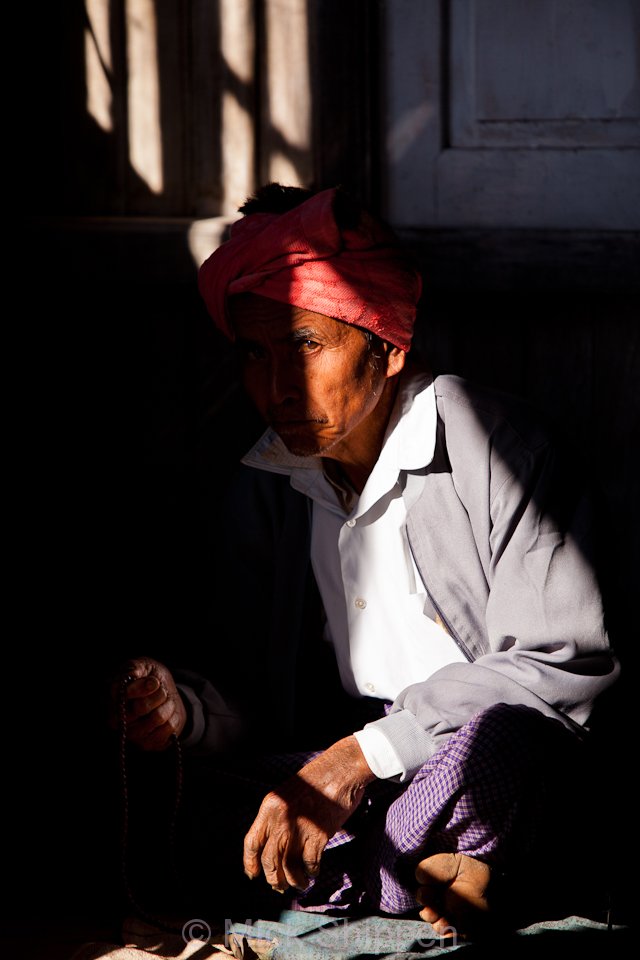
359 274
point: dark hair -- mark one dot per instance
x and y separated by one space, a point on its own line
375 345
277 198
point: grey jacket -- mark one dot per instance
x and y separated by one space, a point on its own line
501 530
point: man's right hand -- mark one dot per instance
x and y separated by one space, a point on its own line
154 709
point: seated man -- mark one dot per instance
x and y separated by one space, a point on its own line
406 591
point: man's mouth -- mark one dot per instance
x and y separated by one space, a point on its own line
296 422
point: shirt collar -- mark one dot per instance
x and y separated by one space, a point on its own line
409 441
409 444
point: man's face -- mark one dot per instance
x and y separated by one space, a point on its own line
312 378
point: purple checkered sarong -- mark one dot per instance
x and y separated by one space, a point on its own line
487 793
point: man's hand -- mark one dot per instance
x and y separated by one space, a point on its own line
155 711
295 821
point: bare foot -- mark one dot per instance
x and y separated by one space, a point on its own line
453 892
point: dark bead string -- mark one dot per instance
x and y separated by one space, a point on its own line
132 900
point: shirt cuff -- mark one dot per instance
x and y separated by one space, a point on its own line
395 746
378 753
196 722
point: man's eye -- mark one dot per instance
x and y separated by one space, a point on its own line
250 351
306 346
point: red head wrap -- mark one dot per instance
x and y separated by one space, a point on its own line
359 274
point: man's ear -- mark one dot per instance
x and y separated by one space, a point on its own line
395 360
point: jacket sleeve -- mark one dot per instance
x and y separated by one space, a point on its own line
214 726
544 644
239 685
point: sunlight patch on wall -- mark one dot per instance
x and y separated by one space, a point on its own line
205 236
237 153
145 137
285 170
98 63
288 141
237 46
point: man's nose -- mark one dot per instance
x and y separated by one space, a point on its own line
283 386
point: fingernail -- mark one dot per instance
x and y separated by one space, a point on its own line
151 684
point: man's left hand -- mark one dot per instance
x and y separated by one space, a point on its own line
295 821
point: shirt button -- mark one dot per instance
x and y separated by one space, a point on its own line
370 687
360 603
351 523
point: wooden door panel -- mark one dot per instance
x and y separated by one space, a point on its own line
514 114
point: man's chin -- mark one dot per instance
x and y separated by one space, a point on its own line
300 449
303 446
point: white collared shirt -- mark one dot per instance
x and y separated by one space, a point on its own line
371 589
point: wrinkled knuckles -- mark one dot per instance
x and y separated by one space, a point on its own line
273 803
269 866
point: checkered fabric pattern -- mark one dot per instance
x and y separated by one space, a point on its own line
490 792
483 794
